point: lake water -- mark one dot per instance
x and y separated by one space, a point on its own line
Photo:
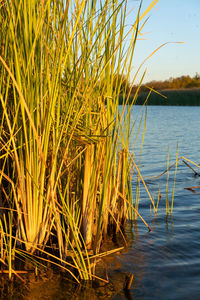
166 261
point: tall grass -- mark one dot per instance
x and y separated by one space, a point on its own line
64 159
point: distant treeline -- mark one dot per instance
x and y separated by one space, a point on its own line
184 90
186 97
183 82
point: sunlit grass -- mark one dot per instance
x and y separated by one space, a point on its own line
64 144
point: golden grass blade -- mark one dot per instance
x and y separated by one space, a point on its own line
150 55
60 108
134 210
13 271
172 202
135 166
196 165
26 108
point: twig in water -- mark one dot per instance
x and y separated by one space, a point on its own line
191 189
195 173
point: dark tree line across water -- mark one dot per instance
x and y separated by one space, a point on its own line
184 90
179 97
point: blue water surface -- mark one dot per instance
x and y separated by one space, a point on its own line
166 261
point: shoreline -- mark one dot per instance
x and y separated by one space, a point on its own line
177 97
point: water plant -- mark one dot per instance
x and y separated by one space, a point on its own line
64 160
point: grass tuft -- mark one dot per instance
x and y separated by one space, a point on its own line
64 160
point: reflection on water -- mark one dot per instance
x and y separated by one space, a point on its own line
166 261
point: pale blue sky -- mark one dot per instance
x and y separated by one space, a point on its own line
170 21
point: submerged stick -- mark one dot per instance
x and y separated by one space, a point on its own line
128 281
190 161
165 171
180 158
195 173
192 189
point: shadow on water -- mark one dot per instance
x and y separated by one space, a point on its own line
116 268
165 263
52 284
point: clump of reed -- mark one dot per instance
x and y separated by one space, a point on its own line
64 162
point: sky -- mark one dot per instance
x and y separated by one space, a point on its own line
170 21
